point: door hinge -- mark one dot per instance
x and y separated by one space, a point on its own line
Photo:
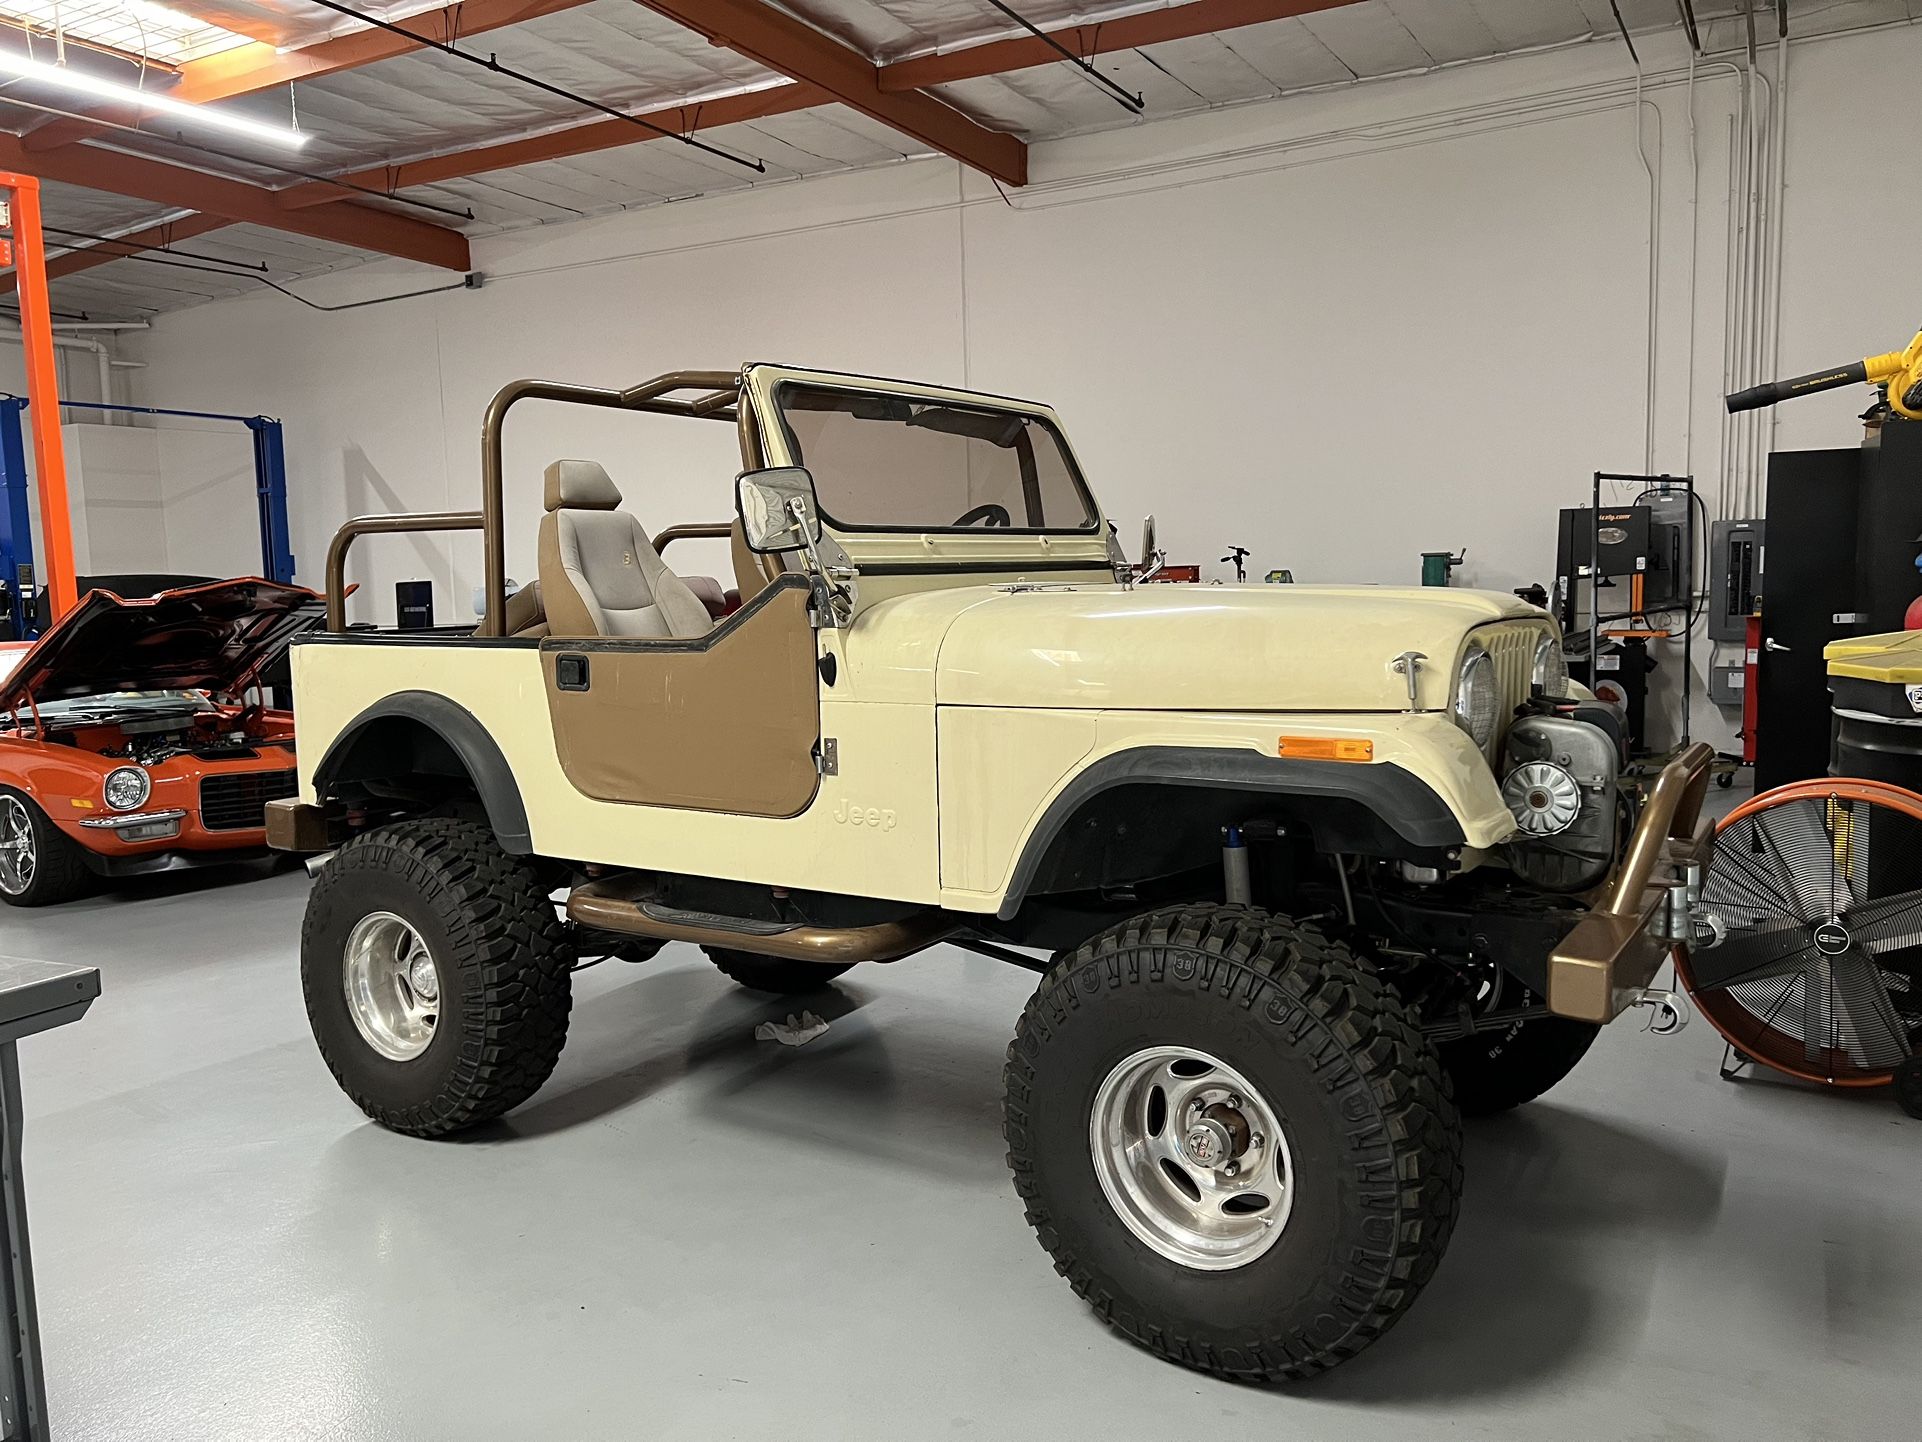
827 757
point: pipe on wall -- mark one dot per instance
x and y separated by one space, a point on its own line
102 357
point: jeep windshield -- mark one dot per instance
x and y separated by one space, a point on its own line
893 463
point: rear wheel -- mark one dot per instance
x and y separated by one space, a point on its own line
1233 1140
777 974
436 974
40 865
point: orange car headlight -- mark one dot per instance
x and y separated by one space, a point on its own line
127 788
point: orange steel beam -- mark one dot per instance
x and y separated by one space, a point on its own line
574 140
1155 27
795 49
356 225
248 69
1151 27
43 393
154 237
1180 22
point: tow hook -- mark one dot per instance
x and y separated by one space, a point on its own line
1669 1010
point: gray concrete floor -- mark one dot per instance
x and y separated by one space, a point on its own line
689 1234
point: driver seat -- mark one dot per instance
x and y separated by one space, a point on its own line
600 574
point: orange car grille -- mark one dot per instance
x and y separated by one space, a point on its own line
238 802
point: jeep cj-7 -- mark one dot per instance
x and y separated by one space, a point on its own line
1308 872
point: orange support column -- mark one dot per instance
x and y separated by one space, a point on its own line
43 392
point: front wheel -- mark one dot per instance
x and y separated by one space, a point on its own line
40 865
437 975
1233 1140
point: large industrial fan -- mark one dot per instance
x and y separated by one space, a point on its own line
1817 888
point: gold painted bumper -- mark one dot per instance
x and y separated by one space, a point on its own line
1615 951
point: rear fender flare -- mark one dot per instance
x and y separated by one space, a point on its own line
353 756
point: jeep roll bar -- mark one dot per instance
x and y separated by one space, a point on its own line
717 398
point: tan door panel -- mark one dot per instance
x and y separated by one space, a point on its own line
726 722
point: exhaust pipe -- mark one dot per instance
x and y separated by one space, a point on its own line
630 906
317 864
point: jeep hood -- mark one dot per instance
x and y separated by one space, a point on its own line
203 638
1202 648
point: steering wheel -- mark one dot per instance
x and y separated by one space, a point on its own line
989 515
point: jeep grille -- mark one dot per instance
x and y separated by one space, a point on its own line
1512 649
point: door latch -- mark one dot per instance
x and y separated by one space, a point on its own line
570 673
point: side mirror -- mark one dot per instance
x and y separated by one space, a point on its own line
778 510
1147 540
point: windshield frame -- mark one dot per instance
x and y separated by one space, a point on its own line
978 405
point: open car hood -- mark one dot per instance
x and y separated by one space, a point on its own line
201 638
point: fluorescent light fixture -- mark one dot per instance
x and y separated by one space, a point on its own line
132 27
81 83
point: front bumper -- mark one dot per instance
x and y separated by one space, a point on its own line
1604 963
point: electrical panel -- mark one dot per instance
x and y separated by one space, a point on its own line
1734 577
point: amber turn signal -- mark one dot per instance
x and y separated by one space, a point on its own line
1325 748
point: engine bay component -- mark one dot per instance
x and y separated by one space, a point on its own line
1542 797
1560 787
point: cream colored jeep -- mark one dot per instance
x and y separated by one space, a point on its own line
1307 872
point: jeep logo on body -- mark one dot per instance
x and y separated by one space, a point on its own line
879 817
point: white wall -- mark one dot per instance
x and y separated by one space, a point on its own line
114 500
207 479
1339 329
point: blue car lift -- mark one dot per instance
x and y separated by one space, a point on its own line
16 535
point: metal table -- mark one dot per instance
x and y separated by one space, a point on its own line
34 996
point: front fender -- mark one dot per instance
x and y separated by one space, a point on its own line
1428 782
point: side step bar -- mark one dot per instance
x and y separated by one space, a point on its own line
630 906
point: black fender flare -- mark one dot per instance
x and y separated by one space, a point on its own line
1401 799
464 735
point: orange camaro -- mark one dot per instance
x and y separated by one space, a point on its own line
127 743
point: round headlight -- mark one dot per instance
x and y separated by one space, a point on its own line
1475 696
1551 668
127 788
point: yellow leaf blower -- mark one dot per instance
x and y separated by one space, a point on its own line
1899 372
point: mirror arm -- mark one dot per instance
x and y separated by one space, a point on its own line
832 599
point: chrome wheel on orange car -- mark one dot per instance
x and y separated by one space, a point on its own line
39 864
17 851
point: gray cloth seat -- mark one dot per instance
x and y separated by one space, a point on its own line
600 574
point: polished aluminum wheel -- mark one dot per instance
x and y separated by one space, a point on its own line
393 988
1192 1158
17 855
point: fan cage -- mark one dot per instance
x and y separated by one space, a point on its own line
1818 889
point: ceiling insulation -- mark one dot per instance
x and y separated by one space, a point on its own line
621 54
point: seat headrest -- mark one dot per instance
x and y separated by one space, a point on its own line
579 486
